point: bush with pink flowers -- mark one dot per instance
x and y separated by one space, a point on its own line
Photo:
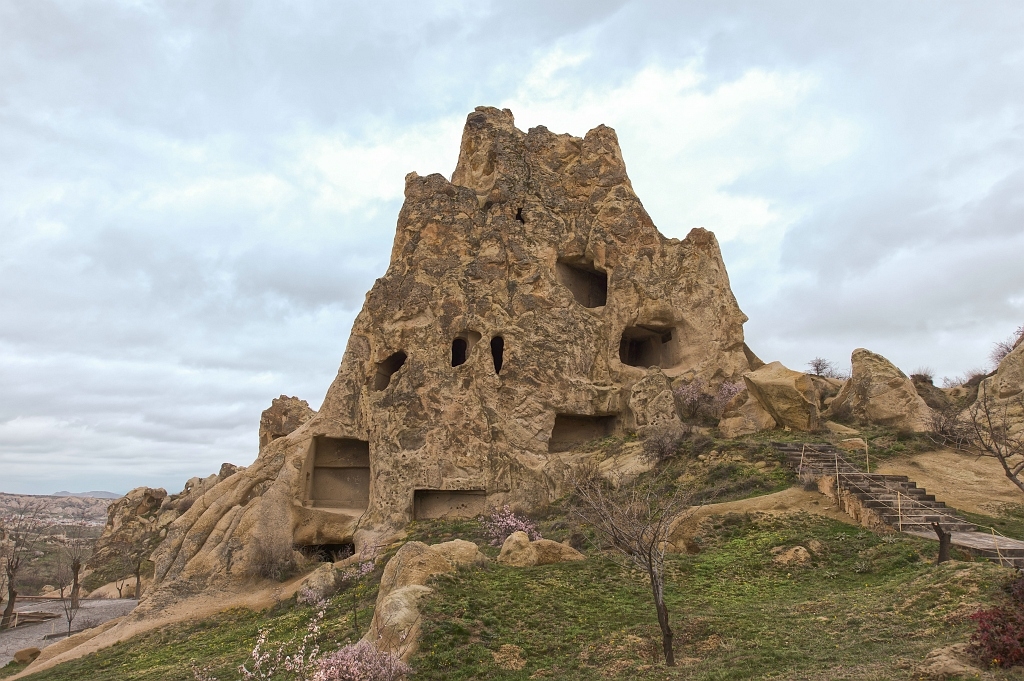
504 521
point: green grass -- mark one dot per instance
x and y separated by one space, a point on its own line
864 608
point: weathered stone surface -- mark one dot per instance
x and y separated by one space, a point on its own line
1009 378
880 393
949 662
524 301
283 417
795 555
935 398
788 396
519 551
651 400
26 655
132 520
319 584
396 617
746 418
1004 391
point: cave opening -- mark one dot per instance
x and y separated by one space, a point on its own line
434 503
574 429
327 553
387 369
498 352
588 285
649 346
341 473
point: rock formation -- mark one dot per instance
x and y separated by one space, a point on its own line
134 520
524 301
283 417
519 551
880 393
1004 391
790 397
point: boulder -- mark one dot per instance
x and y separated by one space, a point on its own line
745 419
519 551
26 655
788 396
795 555
949 662
525 300
880 393
319 584
1009 378
396 617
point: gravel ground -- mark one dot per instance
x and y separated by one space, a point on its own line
92 612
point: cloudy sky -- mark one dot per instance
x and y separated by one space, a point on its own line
195 196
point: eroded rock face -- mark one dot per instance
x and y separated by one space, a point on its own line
878 392
283 417
790 397
132 521
525 299
1004 391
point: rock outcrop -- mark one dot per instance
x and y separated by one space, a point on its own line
790 397
880 393
135 521
283 417
519 551
524 301
1004 391
396 616
744 415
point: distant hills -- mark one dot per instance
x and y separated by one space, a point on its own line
89 495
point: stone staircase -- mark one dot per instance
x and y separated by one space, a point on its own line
893 501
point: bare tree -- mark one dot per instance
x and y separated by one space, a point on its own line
65 577
23 529
133 555
76 547
986 428
636 520
821 367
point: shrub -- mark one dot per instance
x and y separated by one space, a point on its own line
1005 347
999 638
663 440
504 521
698 402
923 375
272 560
360 662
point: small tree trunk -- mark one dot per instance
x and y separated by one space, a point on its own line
138 580
9 610
76 566
666 631
944 544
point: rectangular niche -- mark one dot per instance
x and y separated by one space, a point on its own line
588 285
649 346
341 473
574 429
461 503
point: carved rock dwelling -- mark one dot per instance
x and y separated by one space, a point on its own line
530 305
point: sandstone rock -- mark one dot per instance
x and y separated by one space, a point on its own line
852 444
26 655
796 555
879 393
283 417
396 618
935 398
1004 390
839 429
651 400
747 418
788 396
131 521
1009 378
319 584
519 551
525 300
949 662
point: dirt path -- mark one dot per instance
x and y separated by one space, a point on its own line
974 484
31 636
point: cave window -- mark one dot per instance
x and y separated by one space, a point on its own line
458 352
649 346
588 285
519 216
574 429
497 352
434 503
386 369
462 345
327 553
341 473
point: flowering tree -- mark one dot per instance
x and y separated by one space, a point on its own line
503 522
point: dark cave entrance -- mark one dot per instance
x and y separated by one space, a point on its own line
573 429
589 286
387 369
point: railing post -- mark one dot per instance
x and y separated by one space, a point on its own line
839 498
899 509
